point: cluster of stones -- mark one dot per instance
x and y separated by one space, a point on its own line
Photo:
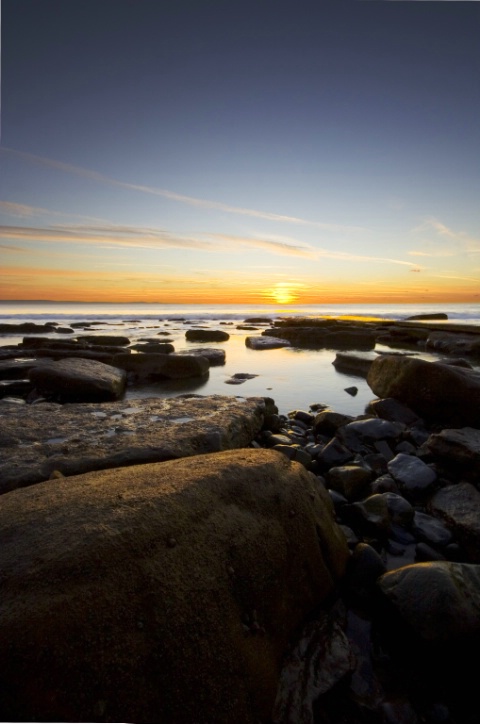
318 333
406 494
96 367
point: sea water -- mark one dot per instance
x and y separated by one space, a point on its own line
294 378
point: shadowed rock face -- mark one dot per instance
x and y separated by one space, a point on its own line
163 592
78 379
37 440
440 393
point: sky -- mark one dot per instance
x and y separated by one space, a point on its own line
240 151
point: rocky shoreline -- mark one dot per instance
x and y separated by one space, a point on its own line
360 606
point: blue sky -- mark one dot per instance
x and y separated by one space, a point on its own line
240 151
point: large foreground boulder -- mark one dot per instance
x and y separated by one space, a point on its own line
161 593
440 393
76 379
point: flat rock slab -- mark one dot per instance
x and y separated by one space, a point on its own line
36 440
266 342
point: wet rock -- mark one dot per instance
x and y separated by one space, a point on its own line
156 347
353 363
266 342
72 380
333 454
351 390
394 411
439 600
27 328
430 530
327 422
215 356
16 369
110 340
459 507
364 568
76 438
411 473
239 378
355 434
349 480
437 392
152 366
93 590
320 659
15 388
459 449
436 315
206 335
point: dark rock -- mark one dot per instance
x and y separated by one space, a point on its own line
459 507
110 340
394 411
334 453
436 315
74 380
152 366
215 356
440 600
155 347
266 342
437 392
412 474
327 422
349 480
15 369
353 363
459 449
351 390
104 618
206 335
26 328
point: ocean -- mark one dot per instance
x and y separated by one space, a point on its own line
294 378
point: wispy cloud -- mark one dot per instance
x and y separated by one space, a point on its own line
116 236
182 198
10 208
452 242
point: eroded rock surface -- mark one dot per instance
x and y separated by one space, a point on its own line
36 440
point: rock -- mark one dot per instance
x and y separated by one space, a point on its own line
152 366
315 337
214 355
266 342
76 438
333 454
164 592
439 600
206 335
258 320
437 392
155 347
454 343
436 315
321 657
239 378
327 422
394 411
352 390
458 449
110 340
15 388
364 568
459 507
353 363
16 369
294 453
75 379
430 530
355 434
411 473
27 328
349 480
